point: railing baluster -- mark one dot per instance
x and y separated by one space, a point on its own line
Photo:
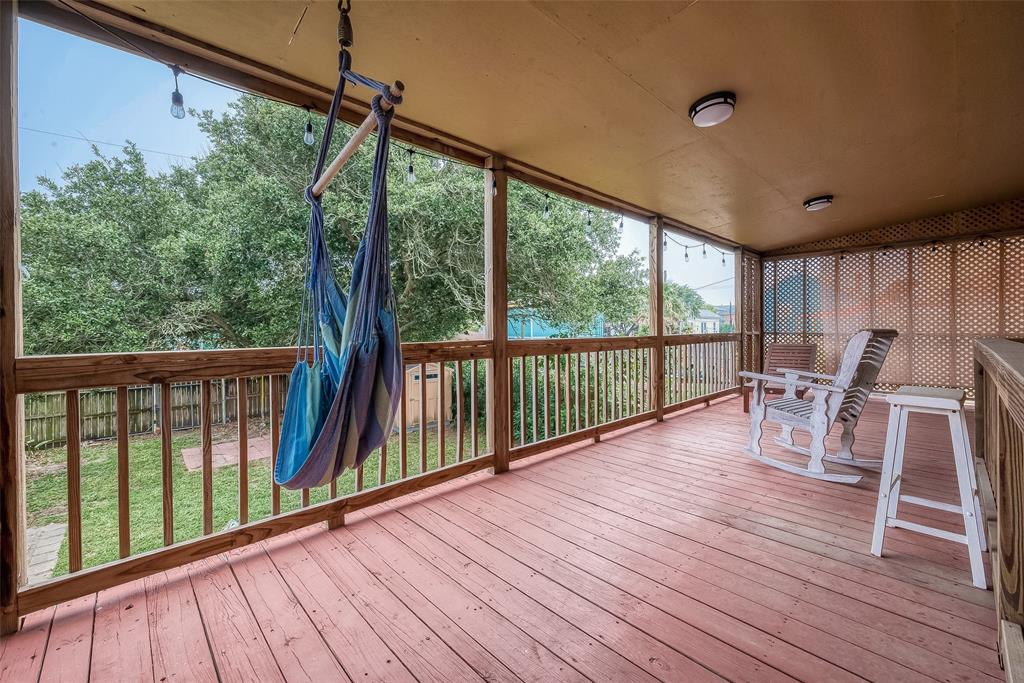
558 394
547 368
632 378
359 481
565 396
423 417
473 410
576 389
206 429
460 421
522 400
442 411
403 428
586 389
533 403
601 388
275 441
242 408
382 469
167 462
124 536
74 472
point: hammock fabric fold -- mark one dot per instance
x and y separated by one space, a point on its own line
344 391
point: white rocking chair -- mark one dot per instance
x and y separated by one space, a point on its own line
842 400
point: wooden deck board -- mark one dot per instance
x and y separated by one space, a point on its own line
661 553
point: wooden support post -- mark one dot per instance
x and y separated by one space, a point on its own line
496 302
12 465
657 315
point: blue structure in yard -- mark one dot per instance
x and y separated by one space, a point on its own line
524 323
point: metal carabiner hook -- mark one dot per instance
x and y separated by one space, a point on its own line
345 33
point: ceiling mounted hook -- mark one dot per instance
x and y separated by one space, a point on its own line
345 34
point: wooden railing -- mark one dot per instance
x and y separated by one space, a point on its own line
699 368
443 434
560 391
999 411
567 390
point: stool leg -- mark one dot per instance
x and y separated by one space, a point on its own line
979 517
885 481
901 446
967 499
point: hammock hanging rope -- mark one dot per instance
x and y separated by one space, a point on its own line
344 391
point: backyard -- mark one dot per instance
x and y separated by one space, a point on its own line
47 489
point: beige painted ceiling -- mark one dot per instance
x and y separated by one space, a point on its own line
899 110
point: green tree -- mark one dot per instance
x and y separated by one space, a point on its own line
682 303
211 253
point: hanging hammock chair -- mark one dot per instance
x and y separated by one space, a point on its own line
344 390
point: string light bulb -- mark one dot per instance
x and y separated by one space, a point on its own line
177 101
622 222
704 250
307 135
723 258
547 206
686 254
410 173
588 218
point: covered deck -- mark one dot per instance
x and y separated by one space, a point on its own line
658 552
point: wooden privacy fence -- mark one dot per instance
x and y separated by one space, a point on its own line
999 411
46 413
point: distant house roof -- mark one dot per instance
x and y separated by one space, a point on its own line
708 315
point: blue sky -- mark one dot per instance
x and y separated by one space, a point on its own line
75 88
69 86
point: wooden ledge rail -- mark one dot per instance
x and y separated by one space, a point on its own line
357 139
85 371
701 400
999 411
520 452
683 339
95 579
541 347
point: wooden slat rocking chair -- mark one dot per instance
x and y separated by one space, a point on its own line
796 356
841 400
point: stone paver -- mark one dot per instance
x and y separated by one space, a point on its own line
42 548
226 453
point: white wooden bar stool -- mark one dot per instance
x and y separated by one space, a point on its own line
949 402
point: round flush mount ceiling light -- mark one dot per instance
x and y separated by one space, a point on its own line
818 203
712 109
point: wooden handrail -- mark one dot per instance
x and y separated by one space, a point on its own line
90 370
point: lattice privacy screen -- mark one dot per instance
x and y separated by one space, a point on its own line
750 312
991 218
939 297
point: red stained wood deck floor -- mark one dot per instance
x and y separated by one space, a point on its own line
660 553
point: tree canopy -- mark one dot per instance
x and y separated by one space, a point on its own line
211 253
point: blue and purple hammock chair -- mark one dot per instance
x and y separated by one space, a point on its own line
344 391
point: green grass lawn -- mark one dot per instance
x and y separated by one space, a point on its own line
46 491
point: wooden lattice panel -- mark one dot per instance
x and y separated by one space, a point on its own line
1013 287
978 272
768 318
983 219
789 298
931 301
821 303
891 296
940 297
751 312
854 307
